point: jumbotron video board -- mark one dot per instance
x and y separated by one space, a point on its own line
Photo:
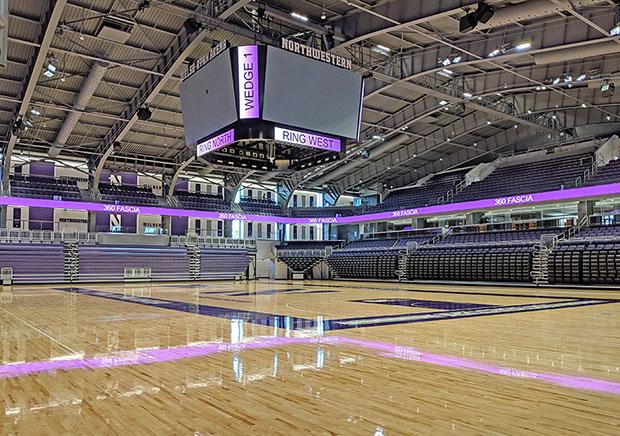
268 104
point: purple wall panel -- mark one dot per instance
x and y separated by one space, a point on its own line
42 169
178 225
129 179
41 218
181 185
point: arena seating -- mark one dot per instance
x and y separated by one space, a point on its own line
126 194
609 173
197 201
495 237
32 263
364 264
591 257
476 263
260 207
108 263
524 178
427 194
44 187
364 244
223 263
300 256
334 211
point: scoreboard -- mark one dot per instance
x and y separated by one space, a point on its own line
268 103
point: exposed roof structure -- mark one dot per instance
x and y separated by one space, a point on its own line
436 98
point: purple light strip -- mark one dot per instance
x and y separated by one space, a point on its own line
307 139
494 203
159 355
215 143
247 73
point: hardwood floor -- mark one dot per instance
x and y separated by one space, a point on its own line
310 357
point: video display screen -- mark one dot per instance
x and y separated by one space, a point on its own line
312 95
208 99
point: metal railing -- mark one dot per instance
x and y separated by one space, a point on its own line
209 241
46 237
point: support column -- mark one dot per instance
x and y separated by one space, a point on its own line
418 223
473 218
166 224
92 222
228 229
3 217
584 208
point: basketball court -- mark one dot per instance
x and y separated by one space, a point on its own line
309 357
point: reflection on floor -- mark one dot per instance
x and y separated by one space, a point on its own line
311 357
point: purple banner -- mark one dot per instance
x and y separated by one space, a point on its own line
492 203
247 72
307 139
215 143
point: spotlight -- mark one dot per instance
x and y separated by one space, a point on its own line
494 53
35 112
192 25
580 78
484 12
365 154
471 20
50 69
467 95
524 45
615 31
323 16
443 103
608 89
144 113
556 80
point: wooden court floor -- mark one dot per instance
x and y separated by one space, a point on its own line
313 357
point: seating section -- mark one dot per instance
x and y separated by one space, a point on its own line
525 178
223 263
365 244
609 173
108 263
499 237
420 240
197 201
482 263
309 245
371 264
126 194
260 207
591 258
426 195
44 187
300 261
325 212
33 263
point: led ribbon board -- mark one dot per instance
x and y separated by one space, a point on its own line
247 74
215 143
489 203
307 139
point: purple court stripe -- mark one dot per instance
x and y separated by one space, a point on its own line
160 355
541 197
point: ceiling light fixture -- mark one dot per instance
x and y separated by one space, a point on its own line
299 16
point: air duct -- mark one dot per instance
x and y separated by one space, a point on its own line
347 168
95 76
